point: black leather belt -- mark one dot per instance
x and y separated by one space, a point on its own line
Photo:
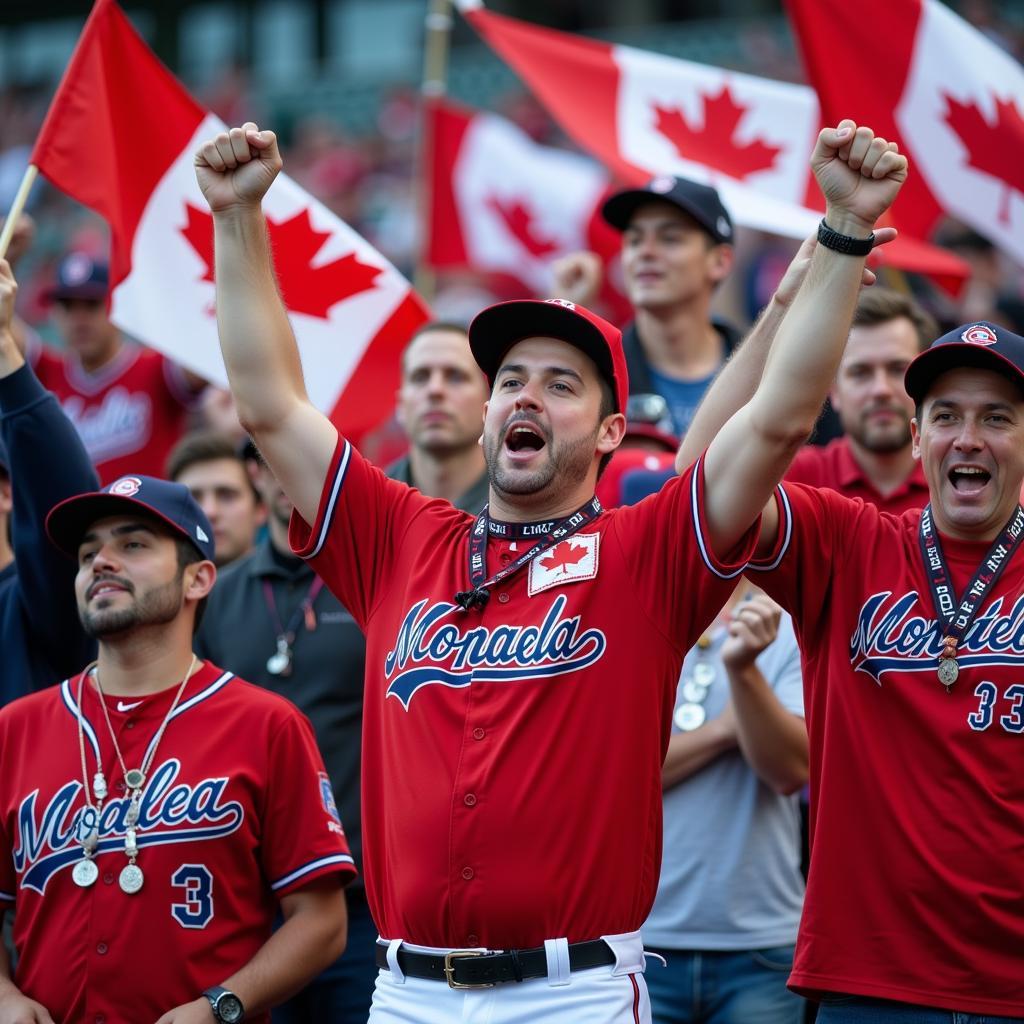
470 968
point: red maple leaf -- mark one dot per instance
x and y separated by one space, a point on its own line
518 220
993 149
295 243
563 555
713 143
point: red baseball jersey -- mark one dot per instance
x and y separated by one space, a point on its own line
236 812
834 466
129 413
512 756
916 887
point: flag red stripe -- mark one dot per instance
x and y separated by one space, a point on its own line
368 397
833 39
99 143
446 128
576 79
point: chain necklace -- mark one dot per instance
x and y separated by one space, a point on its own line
85 871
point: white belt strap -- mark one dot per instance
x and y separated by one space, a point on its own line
557 953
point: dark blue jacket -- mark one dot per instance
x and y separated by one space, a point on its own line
41 638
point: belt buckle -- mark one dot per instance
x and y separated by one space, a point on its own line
449 968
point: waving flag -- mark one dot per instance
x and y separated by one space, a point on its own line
643 114
952 99
120 137
501 203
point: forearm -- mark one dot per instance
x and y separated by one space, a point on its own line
260 354
309 940
773 741
734 386
803 360
689 752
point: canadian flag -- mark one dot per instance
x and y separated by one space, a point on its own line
120 137
644 114
950 97
500 203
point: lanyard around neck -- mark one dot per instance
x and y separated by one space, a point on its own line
547 533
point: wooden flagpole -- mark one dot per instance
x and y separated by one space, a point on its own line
435 71
14 214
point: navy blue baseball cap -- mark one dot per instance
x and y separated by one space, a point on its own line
980 344
701 202
79 276
170 503
5 465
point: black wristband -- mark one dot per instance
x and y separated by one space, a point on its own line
845 244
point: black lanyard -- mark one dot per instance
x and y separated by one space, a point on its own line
958 616
547 533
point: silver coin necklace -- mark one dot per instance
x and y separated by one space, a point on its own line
691 714
85 872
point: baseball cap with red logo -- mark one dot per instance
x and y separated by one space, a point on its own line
496 329
982 344
170 503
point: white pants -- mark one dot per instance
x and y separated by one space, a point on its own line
615 994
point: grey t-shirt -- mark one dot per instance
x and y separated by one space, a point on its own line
730 873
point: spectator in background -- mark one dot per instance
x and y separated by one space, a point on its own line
440 405
727 910
648 447
873 460
270 619
676 250
127 402
42 462
209 465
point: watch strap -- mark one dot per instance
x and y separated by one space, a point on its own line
846 244
215 993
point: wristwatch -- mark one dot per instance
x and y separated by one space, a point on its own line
226 1006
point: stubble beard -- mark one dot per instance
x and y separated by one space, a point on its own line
884 441
156 607
568 463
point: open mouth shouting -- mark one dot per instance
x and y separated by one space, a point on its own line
523 440
967 480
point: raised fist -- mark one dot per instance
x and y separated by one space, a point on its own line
236 167
577 277
859 175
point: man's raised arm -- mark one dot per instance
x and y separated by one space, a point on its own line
737 381
234 171
860 176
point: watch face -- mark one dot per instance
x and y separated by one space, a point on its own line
229 1008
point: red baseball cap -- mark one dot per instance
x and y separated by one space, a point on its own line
496 329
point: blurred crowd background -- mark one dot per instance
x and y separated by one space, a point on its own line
339 81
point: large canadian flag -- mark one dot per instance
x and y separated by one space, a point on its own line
643 114
952 99
500 203
120 137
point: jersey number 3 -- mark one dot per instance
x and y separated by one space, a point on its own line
197 909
